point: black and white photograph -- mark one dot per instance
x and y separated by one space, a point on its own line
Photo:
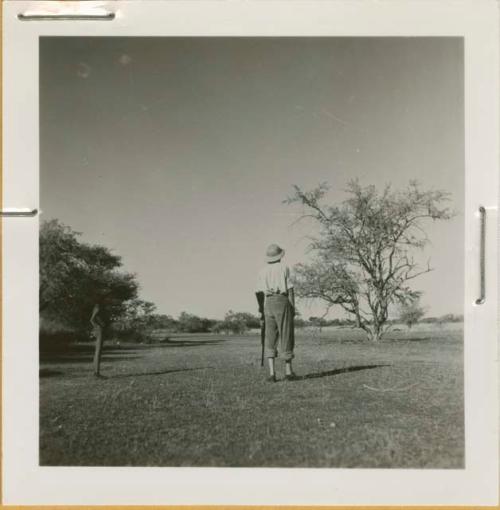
251 252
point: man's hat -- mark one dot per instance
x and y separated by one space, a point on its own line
274 253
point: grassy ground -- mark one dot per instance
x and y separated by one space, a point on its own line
203 401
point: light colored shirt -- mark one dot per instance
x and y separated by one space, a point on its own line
274 279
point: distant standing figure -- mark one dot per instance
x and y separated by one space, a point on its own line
276 301
98 323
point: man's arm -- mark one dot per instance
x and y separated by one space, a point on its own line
290 292
291 298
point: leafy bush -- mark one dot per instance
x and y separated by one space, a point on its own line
74 276
411 312
56 336
189 323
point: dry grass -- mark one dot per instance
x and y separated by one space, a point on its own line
203 401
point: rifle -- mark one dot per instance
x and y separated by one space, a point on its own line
262 339
260 300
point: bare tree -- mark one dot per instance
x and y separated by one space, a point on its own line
363 255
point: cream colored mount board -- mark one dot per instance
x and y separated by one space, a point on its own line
53 124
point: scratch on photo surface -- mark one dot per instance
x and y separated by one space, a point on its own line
326 113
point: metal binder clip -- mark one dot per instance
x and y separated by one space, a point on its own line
109 16
482 257
20 213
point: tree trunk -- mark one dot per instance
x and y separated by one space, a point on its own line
375 334
99 334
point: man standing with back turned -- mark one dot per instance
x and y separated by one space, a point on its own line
276 302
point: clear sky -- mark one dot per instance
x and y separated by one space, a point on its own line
177 153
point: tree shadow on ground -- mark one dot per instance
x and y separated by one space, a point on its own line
337 371
48 372
82 357
186 343
160 372
401 339
83 353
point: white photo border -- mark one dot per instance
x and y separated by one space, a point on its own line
27 483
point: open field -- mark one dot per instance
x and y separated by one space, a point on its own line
202 400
